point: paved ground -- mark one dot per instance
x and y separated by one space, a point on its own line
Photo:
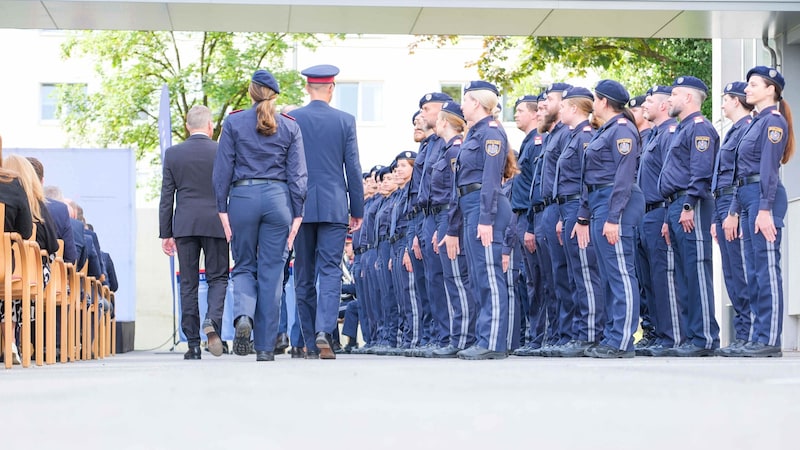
146 400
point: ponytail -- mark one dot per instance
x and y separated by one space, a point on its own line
264 98
787 114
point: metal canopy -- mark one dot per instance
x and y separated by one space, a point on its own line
624 18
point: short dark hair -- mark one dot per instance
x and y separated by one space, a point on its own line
37 167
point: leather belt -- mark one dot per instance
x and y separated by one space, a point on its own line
724 191
359 250
520 211
538 208
439 208
747 180
468 188
397 237
255 181
548 202
561 199
674 196
595 187
655 205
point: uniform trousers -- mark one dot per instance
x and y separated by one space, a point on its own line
361 294
460 294
763 260
434 276
408 297
548 319
516 290
371 304
318 247
531 304
418 265
693 256
260 217
562 284
486 272
617 267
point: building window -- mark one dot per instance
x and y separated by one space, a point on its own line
49 93
364 100
454 90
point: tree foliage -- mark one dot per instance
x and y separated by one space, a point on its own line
208 68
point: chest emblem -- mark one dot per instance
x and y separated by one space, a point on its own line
493 147
453 164
701 143
775 134
624 146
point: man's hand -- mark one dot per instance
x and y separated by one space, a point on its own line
611 232
407 262
559 229
293 231
355 223
530 242
687 220
417 249
226 225
665 233
485 235
451 243
168 246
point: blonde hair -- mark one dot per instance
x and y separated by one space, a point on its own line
5 175
30 183
487 99
264 98
583 104
456 122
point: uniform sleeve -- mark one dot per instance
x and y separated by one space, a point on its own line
297 172
223 167
702 151
510 237
355 188
773 144
495 148
626 170
165 207
455 217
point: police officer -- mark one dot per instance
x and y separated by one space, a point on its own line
369 251
486 213
358 270
686 184
260 183
761 203
389 316
635 105
736 109
334 170
615 205
588 316
450 127
655 259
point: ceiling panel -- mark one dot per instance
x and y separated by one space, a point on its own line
332 19
564 22
478 21
24 14
109 15
216 17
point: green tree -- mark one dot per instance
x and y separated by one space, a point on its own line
208 68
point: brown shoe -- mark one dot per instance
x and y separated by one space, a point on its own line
323 342
214 342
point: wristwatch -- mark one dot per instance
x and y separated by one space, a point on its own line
687 207
582 221
733 214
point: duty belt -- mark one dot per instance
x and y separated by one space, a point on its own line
468 188
439 208
359 250
255 181
520 211
675 195
655 205
561 199
536 209
724 191
747 180
596 187
396 237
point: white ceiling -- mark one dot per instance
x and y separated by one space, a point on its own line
705 19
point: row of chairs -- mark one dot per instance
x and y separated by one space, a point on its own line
86 331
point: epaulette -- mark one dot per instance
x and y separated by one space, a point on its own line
537 140
493 124
457 142
698 119
672 128
776 112
235 111
287 116
622 120
587 128
571 127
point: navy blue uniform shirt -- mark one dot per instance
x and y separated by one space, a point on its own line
569 163
554 144
726 157
652 159
521 187
443 173
433 153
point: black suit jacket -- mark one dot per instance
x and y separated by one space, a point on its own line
186 183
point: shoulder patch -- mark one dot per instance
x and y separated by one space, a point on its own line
587 128
775 134
235 111
672 128
493 147
622 120
537 140
698 119
702 143
287 116
493 124
571 127
776 112
457 142
624 146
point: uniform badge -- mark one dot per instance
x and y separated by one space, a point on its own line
701 143
453 163
775 112
773 73
622 120
493 147
698 119
672 128
775 134
587 128
457 142
537 140
585 144
680 80
428 97
493 124
624 146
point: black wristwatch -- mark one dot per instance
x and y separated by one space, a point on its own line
687 207
582 221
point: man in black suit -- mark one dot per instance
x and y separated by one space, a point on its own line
193 226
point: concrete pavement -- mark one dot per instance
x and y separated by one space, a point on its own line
147 400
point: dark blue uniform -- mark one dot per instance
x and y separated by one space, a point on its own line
686 180
415 218
406 289
260 181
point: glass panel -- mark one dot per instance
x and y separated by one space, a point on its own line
371 102
345 97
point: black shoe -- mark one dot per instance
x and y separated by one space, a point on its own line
575 349
761 350
214 342
476 353
689 350
323 342
225 350
281 343
607 352
735 349
446 352
241 341
337 348
193 353
350 348
297 352
265 356
311 354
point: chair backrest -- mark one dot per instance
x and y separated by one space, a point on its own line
5 246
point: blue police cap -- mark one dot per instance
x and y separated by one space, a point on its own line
526 99
364 175
454 109
542 96
768 73
405 155
392 166
577 92
264 78
691 82
414 117
376 168
613 90
440 97
322 73
658 89
480 85
736 88
384 171
636 102
557 87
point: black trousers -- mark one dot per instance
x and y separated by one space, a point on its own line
217 265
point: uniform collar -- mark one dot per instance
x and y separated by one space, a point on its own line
767 110
690 118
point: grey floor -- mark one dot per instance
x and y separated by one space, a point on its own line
146 400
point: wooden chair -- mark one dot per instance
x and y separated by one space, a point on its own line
55 296
74 325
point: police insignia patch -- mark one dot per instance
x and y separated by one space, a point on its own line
585 144
453 163
537 140
701 143
493 147
775 134
624 146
